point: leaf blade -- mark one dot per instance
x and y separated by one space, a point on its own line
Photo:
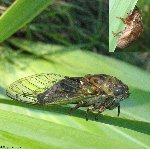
19 14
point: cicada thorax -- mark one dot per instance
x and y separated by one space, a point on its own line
99 84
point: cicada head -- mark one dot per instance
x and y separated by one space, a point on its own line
120 92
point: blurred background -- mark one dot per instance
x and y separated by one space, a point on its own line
83 24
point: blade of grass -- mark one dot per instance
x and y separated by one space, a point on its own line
20 13
118 9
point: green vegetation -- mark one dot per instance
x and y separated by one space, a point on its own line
62 23
53 42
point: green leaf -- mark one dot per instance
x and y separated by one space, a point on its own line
118 9
33 126
18 14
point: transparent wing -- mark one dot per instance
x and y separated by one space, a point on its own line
27 89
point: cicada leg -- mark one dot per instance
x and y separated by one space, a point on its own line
101 109
122 19
116 34
118 110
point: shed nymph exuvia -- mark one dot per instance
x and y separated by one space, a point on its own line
133 28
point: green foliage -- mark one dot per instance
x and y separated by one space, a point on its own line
83 23
19 14
32 126
74 22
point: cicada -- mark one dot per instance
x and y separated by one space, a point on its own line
97 92
133 29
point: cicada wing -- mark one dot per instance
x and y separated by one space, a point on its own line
65 91
27 89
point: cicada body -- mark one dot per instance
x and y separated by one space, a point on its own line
133 28
97 92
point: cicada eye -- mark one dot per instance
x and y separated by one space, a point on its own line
118 91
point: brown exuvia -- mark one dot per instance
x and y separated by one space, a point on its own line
133 28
